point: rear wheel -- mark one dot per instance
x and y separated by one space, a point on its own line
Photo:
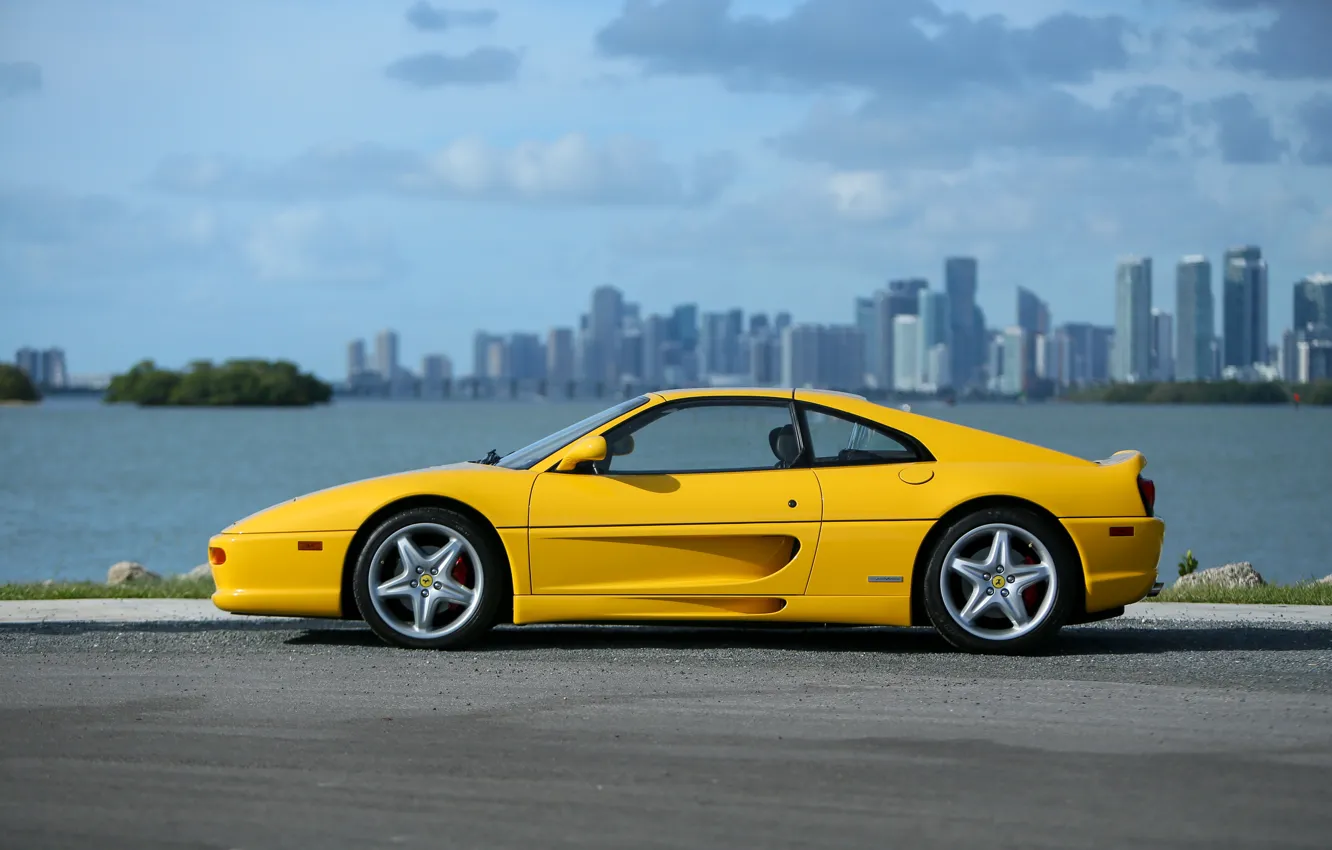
428 578
1003 580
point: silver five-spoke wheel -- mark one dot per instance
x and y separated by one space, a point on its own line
998 582
425 580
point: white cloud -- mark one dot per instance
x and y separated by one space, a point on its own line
569 170
308 244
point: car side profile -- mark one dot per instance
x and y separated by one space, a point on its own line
717 505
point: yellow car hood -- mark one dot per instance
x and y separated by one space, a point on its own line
498 493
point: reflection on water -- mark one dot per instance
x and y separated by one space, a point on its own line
83 485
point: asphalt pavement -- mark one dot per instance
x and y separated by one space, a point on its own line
250 734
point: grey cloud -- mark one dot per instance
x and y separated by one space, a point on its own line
1315 115
909 45
571 170
886 133
18 78
1243 134
1293 46
424 16
482 66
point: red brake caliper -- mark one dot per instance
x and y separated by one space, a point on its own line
462 574
1030 593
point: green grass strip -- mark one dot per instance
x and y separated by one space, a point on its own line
169 588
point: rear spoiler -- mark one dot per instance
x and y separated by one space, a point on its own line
1135 459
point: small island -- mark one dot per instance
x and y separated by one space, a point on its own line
1207 392
235 383
15 385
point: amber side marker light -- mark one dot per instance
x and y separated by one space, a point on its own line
217 555
310 545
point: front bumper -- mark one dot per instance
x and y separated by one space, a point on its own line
284 574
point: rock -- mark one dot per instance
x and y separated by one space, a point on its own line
127 572
1324 580
1241 574
201 571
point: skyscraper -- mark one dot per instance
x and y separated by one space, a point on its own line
1033 316
1313 305
1245 343
968 338
559 358
527 357
386 354
1163 346
355 359
865 322
1015 366
935 329
603 354
906 352
1195 322
1133 320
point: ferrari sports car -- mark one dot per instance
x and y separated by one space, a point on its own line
717 505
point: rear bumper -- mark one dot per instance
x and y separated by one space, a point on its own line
1119 557
270 574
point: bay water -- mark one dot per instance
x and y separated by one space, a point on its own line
83 484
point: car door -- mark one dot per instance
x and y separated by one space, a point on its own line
872 479
696 497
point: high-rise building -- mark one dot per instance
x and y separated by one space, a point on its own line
656 337
800 355
54 374
29 362
1033 316
604 323
1163 346
1133 320
1195 320
435 370
866 322
1015 368
935 329
906 353
526 357
1245 305
355 359
968 347
1313 305
481 354
765 361
560 357
713 345
386 354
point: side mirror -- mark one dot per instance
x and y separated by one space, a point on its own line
588 448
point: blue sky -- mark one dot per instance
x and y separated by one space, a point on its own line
184 179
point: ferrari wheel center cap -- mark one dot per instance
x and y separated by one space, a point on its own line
425 580
997 581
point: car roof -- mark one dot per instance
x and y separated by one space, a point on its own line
752 392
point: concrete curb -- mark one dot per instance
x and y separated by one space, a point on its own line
203 611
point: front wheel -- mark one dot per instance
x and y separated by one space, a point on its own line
1003 580
428 578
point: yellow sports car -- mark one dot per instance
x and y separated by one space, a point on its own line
712 505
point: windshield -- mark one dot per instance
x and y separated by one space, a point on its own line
546 446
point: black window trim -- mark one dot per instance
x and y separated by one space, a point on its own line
647 417
923 455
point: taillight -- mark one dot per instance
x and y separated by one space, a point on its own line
1147 489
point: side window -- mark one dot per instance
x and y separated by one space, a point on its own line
706 438
840 441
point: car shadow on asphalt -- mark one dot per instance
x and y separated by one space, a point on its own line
1074 641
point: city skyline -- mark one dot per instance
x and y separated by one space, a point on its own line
907 337
275 191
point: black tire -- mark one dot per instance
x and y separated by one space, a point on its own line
1067 586
492 564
